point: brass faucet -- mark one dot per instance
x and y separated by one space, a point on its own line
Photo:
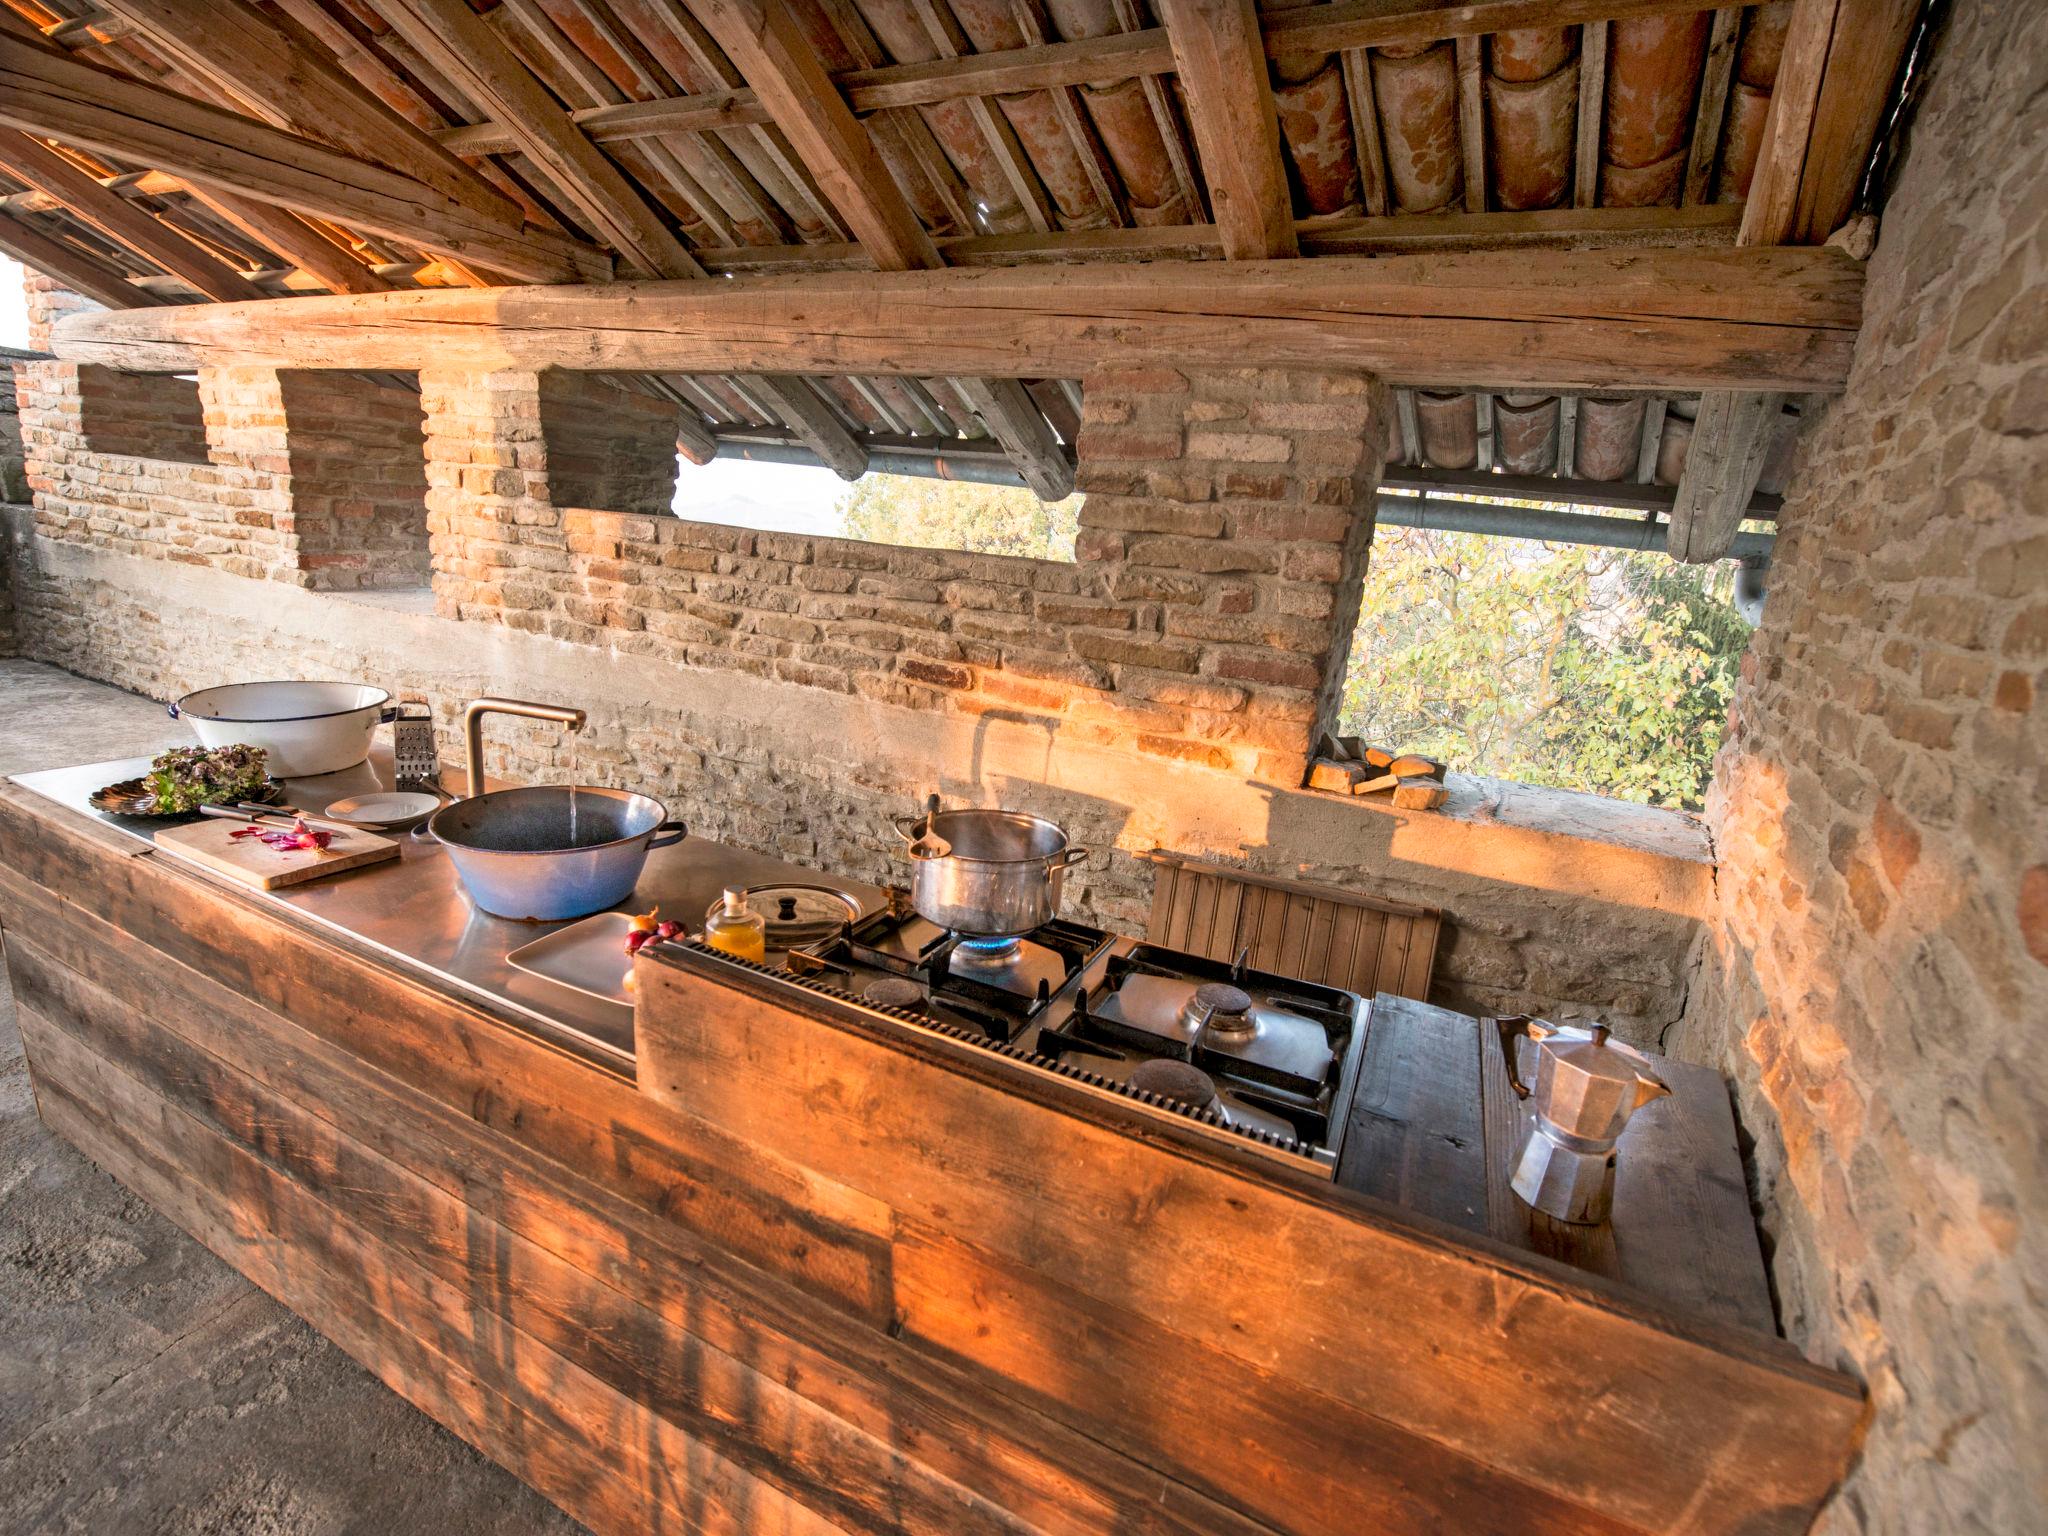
473 729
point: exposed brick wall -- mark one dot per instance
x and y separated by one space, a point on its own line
608 446
1205 618
223 515
357 453
1878 980
141 416
308 477
13 473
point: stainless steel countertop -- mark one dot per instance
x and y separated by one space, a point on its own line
414 909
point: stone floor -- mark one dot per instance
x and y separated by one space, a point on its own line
145 1387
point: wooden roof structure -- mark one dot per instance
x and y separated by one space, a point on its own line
1577 183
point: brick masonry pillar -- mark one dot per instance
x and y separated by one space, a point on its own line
508 453
1232 512
48 301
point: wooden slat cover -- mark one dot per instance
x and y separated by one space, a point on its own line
1315 932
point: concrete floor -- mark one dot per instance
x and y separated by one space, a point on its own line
145 1387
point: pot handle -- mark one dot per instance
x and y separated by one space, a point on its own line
1066 859
387 714
1512 1032
667 833
917 831
171 709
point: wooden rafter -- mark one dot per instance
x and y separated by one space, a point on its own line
282 231
764 42
1839 57
1730 441
28 159
45 92
93 276
1778 319
291 82
766 45
1229 96
493 75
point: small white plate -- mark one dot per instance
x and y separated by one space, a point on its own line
589 956
391 808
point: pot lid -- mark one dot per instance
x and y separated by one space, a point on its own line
799 914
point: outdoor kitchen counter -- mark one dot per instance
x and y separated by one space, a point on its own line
783 1273
414 909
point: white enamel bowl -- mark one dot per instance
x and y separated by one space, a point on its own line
305 728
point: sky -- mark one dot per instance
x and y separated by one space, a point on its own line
13 305
778 498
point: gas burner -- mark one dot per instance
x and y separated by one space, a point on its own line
1224 1011
980 955
1208 1048
895 992
1175 1081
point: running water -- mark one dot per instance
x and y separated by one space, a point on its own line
575 838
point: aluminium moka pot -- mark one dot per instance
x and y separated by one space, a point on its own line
1586 1088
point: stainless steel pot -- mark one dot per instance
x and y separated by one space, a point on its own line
550 852
991 874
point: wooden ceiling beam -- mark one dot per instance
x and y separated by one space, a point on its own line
1229 98
96 278
1730 442
770 50
494 76
47 93
30 160
1780 319
1839 60
293 82
773 55
282 231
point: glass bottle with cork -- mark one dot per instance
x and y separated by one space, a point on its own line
736 929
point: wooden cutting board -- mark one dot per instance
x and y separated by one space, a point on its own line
253 862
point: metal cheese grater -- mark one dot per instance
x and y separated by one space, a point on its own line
413 758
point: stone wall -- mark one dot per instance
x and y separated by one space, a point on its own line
48 302
1878 976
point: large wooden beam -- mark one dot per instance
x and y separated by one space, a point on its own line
1730 441
44 92
765 44
1780 319
28 159
1229 97
98 280
258 59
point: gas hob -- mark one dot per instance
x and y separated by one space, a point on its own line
1207 1048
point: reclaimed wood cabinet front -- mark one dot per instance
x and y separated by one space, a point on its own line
757 1292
